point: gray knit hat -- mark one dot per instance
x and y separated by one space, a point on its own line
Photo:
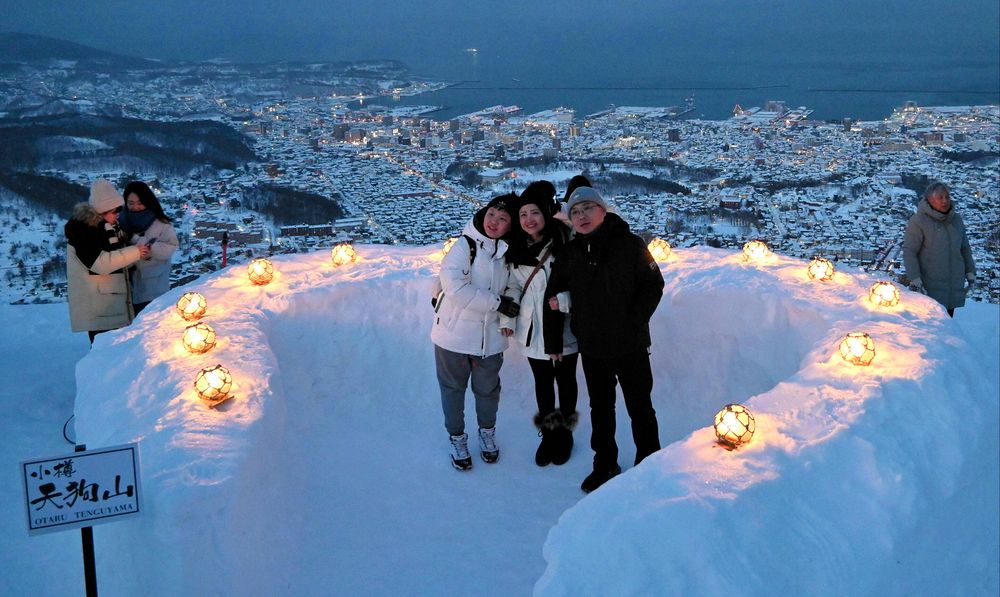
104 197
585 194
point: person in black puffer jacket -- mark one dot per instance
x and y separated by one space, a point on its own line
610 283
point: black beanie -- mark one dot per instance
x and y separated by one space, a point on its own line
575 183
543 194
507 203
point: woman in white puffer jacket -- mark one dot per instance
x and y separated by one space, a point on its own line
468 344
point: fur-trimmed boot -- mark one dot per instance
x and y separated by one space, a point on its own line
546 425
562 438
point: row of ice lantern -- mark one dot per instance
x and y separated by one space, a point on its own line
735 421
261 270
213 384
881 294
734 424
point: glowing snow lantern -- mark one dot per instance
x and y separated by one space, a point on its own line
198 338
857 348
659 249
821 269
734 425
448 244
191 306
755 250
343 254
884 294
213 384
260 271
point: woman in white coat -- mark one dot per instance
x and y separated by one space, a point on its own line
146 224
533 249
466 332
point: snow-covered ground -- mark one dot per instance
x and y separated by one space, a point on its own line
328 472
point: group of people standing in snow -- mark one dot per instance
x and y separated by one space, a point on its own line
119 248
584 290
566 280
572 280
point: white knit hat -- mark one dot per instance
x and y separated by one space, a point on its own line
104 197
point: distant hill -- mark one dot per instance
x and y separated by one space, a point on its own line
19 48
69 142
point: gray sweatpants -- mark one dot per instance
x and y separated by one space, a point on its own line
453 372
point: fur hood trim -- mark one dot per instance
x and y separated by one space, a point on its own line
86 214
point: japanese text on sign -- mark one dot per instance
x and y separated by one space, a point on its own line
81 489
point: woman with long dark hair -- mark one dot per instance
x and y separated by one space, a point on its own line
146 224
538 243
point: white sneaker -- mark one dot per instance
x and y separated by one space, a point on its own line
488 445
460 458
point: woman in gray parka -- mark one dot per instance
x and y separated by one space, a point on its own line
936 250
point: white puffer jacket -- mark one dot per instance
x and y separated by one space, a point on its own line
152 276
528 324
466 319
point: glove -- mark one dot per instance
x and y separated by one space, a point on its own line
917 286
971 282
508 307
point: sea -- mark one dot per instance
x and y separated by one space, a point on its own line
861 83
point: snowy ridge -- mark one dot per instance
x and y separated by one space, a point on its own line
331 460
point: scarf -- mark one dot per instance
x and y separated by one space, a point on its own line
525 253
136 222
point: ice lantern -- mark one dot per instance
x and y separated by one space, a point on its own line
659 249
734 425
821 269
213 384
198 338
260 271
857 348
884 294
343 254
191 306
755 250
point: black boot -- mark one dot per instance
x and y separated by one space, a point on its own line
600 476
547 426
563 438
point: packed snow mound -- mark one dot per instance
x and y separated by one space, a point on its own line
331 460
859 480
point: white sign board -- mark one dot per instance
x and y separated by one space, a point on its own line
82 489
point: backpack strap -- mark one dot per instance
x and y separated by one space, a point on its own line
436 290
472 247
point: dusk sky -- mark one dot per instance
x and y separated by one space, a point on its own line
632 37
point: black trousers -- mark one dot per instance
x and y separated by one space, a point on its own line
632 371
560 373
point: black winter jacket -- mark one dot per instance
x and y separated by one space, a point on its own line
614 286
